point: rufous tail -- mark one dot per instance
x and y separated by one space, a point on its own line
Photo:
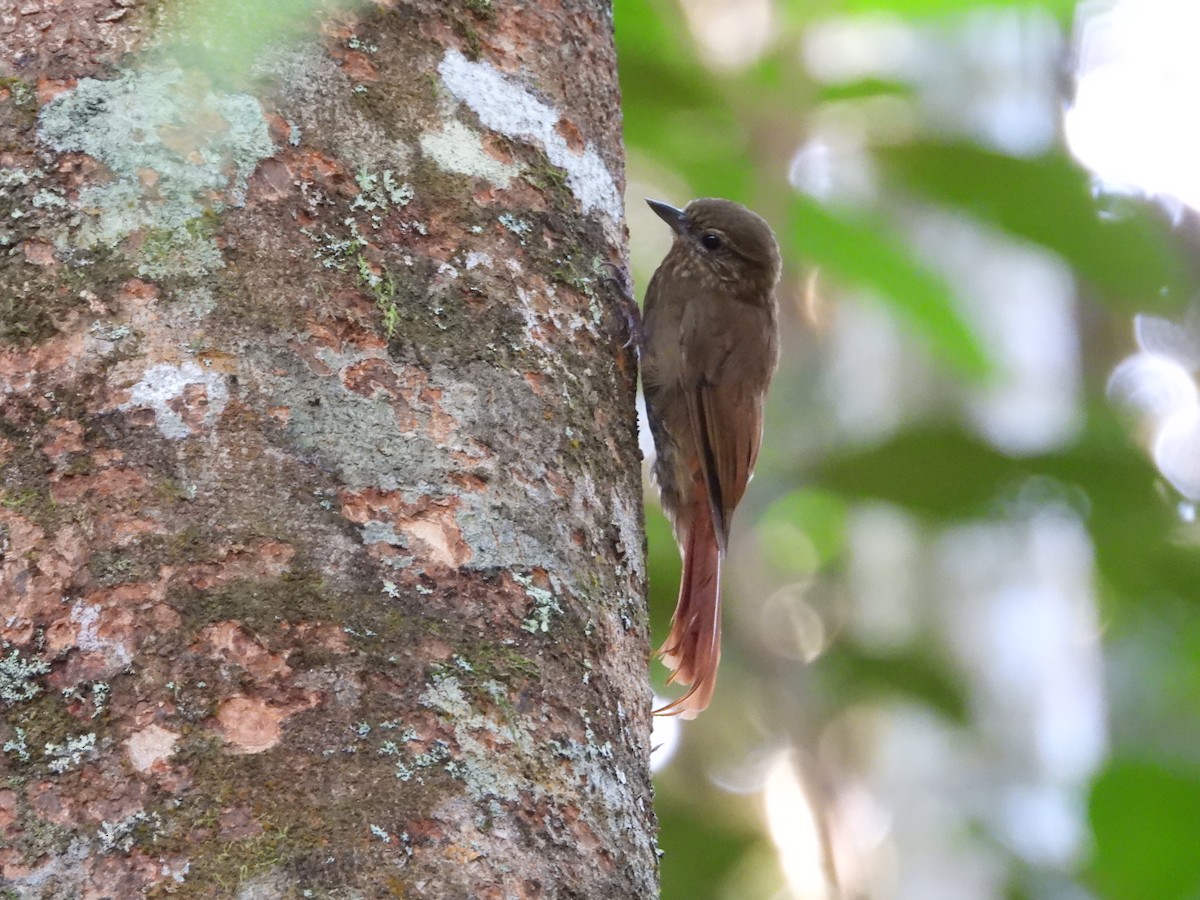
693 648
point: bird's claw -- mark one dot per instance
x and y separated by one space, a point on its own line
616 278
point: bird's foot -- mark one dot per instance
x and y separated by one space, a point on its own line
616 279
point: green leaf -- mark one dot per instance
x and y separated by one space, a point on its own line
861 252
1145 819
863 89
1125 250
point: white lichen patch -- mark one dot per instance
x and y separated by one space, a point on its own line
476 259
376 532
11 208
512 110
162 384
48 198
381 191
110 334
16 178
445 694
529 313
544 606
123 834
171 146
456 148
368 445
517 226
319 98
69 754
543 308
86 616
195 302
477 763
17 745
18 677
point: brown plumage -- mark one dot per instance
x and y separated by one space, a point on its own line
710 345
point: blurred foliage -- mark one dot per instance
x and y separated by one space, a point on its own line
809 519
1123 248
948 475
866 254
681 830
1144 817
920 673
730 133
919 8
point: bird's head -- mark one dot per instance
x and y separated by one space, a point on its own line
728 240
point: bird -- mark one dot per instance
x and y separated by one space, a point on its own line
709 348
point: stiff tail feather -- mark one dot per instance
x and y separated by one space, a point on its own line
693 648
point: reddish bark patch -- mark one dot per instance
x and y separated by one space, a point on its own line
34 370
105 629
49 88
271 182
324 172
230 642
498 148
264 559
119 483
439 532
252 725
569 131
430 522
66 436
327 636
137 292
371 378
340 336
461 855
357 66
39 253
467 482
8 811
536 382
424 831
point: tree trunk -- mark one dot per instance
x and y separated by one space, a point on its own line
321 554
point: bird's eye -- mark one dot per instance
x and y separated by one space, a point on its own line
710 240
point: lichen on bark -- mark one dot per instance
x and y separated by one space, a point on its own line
320 540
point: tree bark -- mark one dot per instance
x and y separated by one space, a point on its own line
321 550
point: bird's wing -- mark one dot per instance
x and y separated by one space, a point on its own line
727 428
724 409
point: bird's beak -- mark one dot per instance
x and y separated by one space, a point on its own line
669 214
